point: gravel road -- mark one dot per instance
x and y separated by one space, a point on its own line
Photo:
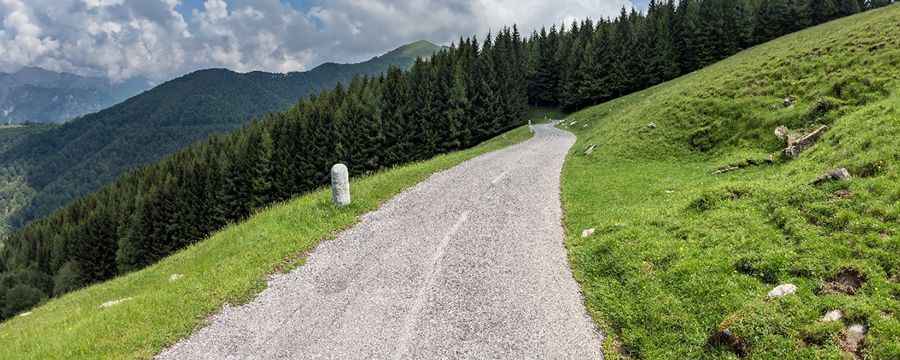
469 264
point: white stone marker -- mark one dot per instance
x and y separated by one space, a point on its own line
340 185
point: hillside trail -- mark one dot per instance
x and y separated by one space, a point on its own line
469 264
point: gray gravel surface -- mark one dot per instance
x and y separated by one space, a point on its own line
469 264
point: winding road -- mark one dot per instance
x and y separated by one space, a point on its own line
469 264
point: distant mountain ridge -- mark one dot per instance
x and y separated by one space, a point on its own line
41 96
82 155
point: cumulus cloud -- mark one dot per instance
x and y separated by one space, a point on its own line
160 39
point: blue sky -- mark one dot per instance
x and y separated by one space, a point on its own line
161 39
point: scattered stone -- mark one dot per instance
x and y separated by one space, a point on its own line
651 125
841 174
853 339
843 194
670 191
782 290
833 315
175 277
781 133
114 302
24 314
795 147
727 338
726 169
847 281
587 232
789 101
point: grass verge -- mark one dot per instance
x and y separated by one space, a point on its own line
679 255
163 303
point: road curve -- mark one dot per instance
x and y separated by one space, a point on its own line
469 264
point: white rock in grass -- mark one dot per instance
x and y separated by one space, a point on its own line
24 314
833 315
587 232
175 277
853 338
114 302
782 290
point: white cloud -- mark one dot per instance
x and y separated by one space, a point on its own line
125 38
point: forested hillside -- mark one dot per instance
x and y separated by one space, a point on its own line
89 152
459 98
14 190
463 95
35 95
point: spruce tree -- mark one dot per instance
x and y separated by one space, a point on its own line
847 7
821 11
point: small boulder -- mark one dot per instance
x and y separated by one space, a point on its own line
833 315
782 290
590 149
841 174
587 232
781 133
175 277
651 125
24 314
852 340
789 101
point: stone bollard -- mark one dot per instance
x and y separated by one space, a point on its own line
340 185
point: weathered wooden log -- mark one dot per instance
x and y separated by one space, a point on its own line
797 146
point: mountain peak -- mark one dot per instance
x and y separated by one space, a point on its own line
421 48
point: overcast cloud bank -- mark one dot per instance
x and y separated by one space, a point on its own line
160 39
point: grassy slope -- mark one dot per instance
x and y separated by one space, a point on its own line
229 268
679 252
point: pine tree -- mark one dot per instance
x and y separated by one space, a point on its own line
774 18
545 85
457 133
394 112
821 11
847 7
661 60
687 35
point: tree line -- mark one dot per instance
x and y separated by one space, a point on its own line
590 62
459 97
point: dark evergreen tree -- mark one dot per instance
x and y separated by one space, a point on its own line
821 11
